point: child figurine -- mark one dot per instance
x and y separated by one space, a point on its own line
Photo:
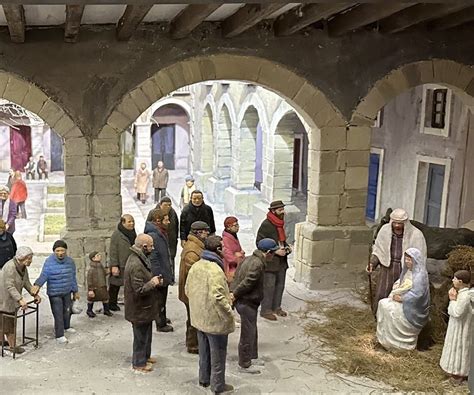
405 282
456 358
97 285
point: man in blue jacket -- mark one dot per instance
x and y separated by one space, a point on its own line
160 260
59 271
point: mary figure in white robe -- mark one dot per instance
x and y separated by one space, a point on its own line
400 318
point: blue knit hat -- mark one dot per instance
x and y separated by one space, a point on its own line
267 245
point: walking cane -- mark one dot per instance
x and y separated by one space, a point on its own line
371 297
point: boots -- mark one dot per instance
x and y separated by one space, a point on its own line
90 313
107 311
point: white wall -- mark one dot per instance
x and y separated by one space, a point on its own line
4 148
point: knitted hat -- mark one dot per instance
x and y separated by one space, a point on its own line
59 243
189 178
93 254
23 252
267 245
229 221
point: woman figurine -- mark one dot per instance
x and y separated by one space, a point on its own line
232 251
456 359
142 179
402 316
19 193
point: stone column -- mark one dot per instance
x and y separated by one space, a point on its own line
332 245
92 195
242 194
37 149
143 144
206 151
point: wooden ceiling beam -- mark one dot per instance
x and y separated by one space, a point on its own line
453 20
130 20
293 21
418 14
362 15
190 18
15 16
152 2
73 22
248 16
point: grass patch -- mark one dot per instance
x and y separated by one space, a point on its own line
55 203
55 189
53 223
349 335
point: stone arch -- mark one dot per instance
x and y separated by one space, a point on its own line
254 100
225 100
169 100
28 95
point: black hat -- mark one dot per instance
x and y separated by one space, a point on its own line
199 225
93 254
276 204
59 243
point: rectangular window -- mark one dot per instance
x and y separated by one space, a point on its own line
438 111
435 110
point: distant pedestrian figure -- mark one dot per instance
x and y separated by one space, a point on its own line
42 168
7 209
97 285
19 194
30 169
7 244
188 188
11 176
142 179
160 181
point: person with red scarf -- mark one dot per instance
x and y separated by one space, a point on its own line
273 227
18 194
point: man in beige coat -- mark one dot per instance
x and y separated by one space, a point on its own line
13 278
210 307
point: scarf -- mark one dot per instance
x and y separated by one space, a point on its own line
232 234
131 235
280 225
213 257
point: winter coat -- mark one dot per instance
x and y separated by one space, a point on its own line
7 248
209 299
8 210
173 230
160 178
119 252
12 282
19 192
268 230
191 253
160 256
247 286
141 296
185 195
60 276
192 214
97 282
142 178
232 253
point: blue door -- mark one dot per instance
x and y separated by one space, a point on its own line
370 207
57 154
162 142
434 194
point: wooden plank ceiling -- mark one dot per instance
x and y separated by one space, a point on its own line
336 18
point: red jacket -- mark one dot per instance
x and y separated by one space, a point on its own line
232 253
19 193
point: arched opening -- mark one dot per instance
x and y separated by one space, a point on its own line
207 141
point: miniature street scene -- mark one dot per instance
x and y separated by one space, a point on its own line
195 200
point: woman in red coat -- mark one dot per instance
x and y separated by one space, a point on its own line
232 250
18 194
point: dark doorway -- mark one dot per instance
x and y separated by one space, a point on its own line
297 158
163 143
57 156
434 194
20 146
371 205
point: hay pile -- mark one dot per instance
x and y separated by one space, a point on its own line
461 258
349 336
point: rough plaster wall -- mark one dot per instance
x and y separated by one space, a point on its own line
401 139
4 148
467 206
101 70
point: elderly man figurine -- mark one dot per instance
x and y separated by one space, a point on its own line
393 239
188 188
8 209
13 278
456 356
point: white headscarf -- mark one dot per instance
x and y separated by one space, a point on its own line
412 238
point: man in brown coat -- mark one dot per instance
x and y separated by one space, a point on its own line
191 253
141 301
160 181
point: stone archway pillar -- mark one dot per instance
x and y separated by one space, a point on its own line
332 246
92 195
143 144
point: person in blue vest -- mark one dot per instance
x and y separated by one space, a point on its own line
59 272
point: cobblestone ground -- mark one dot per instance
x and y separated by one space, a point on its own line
97 359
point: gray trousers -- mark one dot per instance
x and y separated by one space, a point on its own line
273 287
248 343
212 357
